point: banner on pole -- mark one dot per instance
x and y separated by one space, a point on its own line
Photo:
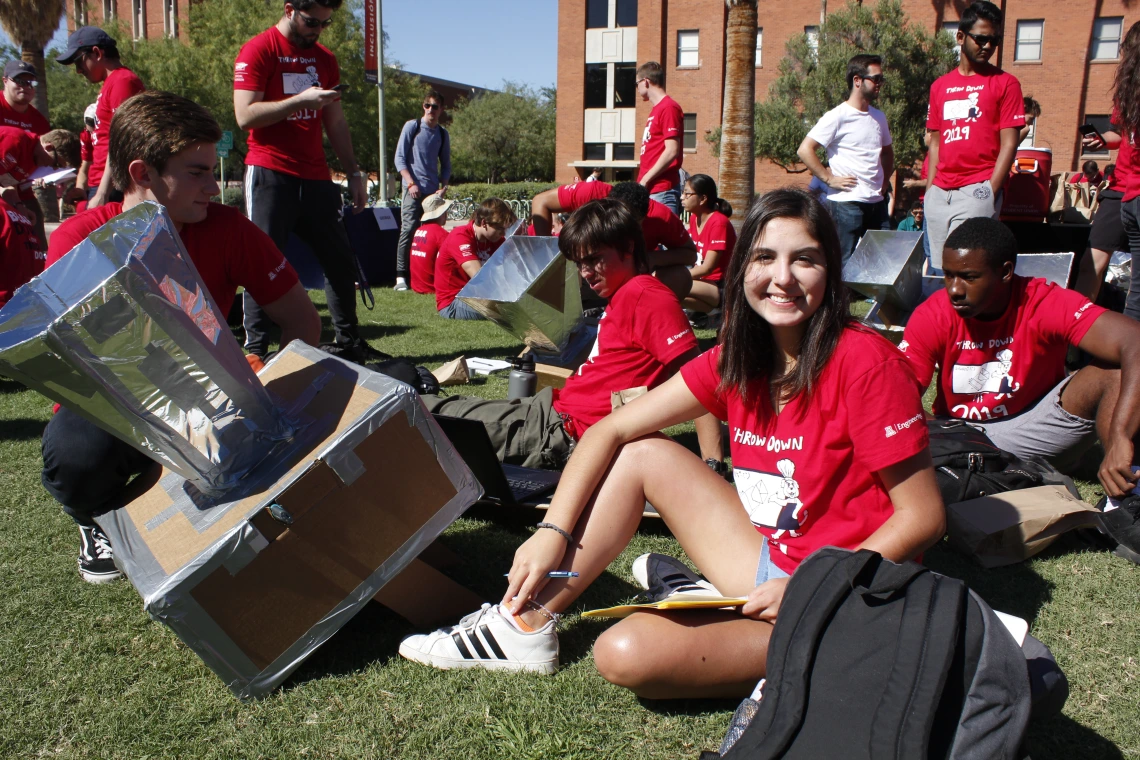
371 43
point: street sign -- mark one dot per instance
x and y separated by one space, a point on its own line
227 141
223 153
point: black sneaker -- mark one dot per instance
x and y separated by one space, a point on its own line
1123 525
96 563
359 352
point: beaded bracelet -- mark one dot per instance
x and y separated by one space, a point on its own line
556 529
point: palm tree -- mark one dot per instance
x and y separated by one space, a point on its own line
31 24
737 161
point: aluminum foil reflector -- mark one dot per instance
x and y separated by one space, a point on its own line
887 266
1054 267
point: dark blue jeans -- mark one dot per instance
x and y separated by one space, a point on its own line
854 218
1130 218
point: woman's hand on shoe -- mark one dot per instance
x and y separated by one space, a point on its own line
540 554
764 601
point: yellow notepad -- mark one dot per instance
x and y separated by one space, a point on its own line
682 603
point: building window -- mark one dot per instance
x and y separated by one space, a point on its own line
1103 123
626 14
687 48
108 10
170 17
812 33
759 46
138 18
594 151
623 151
596 85
689 142
625 87
1029 37
951 28
597 14
1106 38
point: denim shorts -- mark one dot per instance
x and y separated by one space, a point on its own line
767 569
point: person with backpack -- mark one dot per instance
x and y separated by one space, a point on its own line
829 446
423 158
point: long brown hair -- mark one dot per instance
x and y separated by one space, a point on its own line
748 348
1126 81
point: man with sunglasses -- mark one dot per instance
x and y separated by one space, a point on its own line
96 58
423 158
976 113
286 95
860 158
16 109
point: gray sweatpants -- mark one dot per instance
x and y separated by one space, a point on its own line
946 209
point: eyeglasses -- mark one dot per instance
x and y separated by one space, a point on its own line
876 78
985 39
432 106
596 263
29 83
686 193
314 23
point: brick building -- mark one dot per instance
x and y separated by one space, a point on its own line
1063 52
148 19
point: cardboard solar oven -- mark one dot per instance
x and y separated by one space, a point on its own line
271 523
530 290
887 267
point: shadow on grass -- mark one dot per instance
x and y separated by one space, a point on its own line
1062 738
1015 589
11 386
21 429
375 332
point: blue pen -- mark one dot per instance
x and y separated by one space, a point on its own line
556 574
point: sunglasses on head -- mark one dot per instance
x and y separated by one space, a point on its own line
876 78
431 106
985 39
314 23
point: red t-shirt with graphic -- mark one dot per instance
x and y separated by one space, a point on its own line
660 227
119 85
640 332
425 248
807 476
992 369
717 235
460 246
19 259
30 120
17 156
270 64
666 122
968 114
228 250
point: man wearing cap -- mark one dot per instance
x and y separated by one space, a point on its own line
96 58
423 158
286 92
429 236
16 109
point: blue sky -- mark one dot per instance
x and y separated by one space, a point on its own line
466 41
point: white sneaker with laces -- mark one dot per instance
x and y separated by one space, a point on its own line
663 577
485 639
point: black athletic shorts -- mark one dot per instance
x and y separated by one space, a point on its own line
1107 230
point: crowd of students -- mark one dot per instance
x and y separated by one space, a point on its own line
825 419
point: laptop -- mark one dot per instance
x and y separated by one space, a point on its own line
507 484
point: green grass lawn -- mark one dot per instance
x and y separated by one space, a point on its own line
85 674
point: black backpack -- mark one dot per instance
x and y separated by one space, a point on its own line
869 659
969 465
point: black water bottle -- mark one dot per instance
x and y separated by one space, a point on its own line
523 381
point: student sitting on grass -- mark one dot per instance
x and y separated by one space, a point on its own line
998 342
463 252
426 242
162 149
808 394
643 338
715 239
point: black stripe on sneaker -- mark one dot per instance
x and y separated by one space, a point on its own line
690 587
463 650
475 643
492 643
674 577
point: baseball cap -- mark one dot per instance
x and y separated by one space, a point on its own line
84 37
13 69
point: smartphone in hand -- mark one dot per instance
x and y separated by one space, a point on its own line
342 87
1089 131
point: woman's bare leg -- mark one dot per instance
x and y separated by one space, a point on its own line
703 296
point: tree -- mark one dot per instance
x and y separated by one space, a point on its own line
737 165
31 24
504 136
812 81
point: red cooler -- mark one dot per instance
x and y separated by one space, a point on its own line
1027 191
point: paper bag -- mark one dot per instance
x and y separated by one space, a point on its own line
1012 526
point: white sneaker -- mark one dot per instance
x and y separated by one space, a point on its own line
401 285
663 576
485 639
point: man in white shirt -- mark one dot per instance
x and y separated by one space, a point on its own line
860 159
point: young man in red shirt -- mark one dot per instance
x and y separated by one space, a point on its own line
661 154
426 240
21 153
668 246
462 254
643 338
162 150
286 94
998 342
21 257
976 113
16 109
96 58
